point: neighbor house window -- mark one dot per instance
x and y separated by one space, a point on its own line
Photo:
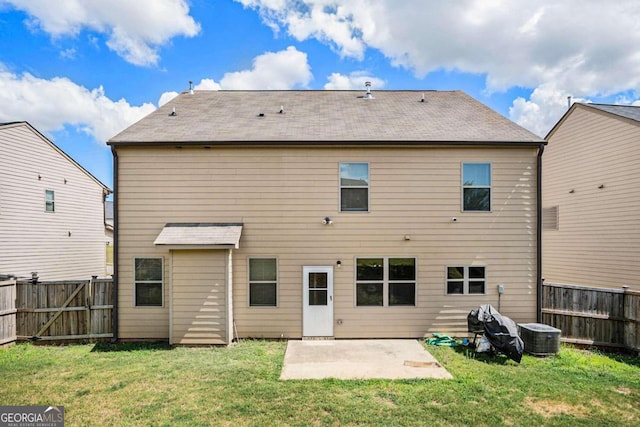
148 280
49 201
385 282
354 187
476 187
263 282
465 280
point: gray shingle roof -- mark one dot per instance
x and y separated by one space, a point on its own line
324 116
628 111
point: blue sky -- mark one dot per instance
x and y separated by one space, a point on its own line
81 71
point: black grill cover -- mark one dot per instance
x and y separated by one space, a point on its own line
500 330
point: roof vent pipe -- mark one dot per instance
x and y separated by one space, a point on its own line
190 87
568 102
368 94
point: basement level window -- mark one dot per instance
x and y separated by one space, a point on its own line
263 282
386 282
148 282
49 201
464 280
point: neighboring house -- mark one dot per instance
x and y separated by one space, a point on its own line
108 227
51 210
591 197
288 214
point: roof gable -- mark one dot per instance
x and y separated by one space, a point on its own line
307 116
57 149
628 113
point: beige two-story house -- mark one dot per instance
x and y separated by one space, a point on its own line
289 214
591 199
51 210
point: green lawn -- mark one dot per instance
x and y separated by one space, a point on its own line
137 385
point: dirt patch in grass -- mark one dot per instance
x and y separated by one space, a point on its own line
549 408
386 401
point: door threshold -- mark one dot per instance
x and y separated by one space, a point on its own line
318 338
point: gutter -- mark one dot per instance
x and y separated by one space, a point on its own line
325 143
116 230
539 237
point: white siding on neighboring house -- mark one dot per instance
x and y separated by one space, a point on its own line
281 196
68 243
591 173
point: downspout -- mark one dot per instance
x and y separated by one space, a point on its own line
116 229
539 236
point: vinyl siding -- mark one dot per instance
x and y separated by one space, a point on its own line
282 194
598 238
66 244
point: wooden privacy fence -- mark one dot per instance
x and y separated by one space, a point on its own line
594 316
7 311
64 310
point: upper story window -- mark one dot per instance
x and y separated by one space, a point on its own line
148 282
263 282
49 201
476 187
386 282
354 187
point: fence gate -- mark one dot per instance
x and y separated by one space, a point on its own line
64 310
7 311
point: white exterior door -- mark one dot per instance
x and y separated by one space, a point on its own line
317 304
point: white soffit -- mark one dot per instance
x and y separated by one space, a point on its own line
200 236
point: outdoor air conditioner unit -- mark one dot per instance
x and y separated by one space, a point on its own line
539 339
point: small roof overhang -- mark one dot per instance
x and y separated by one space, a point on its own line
200 236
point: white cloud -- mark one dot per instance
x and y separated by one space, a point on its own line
207 84
583 46
51 104
542 110
135 30
286 69
354 80
166 97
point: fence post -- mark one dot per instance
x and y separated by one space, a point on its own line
631 310
7 311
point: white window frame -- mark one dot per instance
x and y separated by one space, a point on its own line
135 283
368 187
463 187
249 282
465 279
47 201
385 282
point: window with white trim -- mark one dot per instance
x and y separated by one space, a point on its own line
476 187
49 201
463 280
263 282
148 282
384 281
354 187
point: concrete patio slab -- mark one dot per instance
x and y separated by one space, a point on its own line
360 359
